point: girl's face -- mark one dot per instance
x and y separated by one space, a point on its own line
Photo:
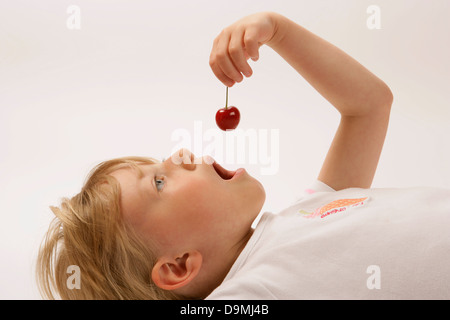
190 204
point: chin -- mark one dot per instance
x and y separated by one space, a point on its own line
259 198
261 191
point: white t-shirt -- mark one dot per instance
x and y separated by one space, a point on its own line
349 244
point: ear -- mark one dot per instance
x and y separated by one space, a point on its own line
173 273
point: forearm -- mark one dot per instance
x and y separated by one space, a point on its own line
346 84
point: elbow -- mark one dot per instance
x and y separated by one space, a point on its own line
387 97
377 99
384 100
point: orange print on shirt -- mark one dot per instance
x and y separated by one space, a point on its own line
334 207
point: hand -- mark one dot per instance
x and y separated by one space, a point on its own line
239 42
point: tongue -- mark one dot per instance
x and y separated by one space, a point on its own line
224 173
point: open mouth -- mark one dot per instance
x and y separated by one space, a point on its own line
222 172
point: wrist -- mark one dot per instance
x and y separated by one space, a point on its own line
279 23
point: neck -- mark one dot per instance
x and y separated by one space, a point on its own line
216 267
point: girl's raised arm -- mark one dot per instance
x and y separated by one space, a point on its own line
362 99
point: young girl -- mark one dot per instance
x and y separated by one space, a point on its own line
182 228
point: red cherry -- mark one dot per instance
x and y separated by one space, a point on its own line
228 118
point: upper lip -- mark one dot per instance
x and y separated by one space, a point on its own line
222 172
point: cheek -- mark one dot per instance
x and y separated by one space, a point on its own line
191 209
199 200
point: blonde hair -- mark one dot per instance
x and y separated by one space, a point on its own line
88 231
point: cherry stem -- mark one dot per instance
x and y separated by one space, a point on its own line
226 100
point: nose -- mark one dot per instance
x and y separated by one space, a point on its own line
183 157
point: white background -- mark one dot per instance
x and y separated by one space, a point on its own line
137 71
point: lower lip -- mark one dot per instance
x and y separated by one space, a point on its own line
239 172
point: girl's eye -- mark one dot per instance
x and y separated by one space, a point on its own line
159 181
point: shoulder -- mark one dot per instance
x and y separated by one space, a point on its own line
315 187
242 288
